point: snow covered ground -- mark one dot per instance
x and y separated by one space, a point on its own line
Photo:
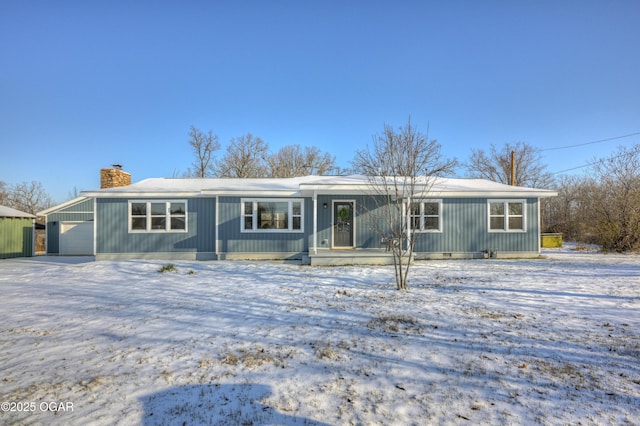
550 341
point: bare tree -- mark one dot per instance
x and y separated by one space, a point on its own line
318 162
611 200
29 197
4 194
602 206
563 213
203 146
74 193
292 161
401 166
245 158
496 165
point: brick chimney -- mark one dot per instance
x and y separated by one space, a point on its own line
114 177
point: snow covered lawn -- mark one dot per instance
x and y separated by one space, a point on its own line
551 341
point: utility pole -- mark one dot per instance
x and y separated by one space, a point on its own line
513 168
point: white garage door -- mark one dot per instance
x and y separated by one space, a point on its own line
76 238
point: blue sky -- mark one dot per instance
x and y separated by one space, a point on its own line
85 84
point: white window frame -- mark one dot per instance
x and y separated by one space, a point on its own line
506 215
255 219
167 215
423 215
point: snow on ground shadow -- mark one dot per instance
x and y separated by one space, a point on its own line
548 341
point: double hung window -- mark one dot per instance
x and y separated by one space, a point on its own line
426 216
507 216
157 216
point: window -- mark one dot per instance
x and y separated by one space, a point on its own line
248 215
426 216
157 216
506 215
270 215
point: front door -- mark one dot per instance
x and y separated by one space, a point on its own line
343 224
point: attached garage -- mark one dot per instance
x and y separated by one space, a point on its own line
70 228
76 238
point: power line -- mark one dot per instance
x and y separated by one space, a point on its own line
573 168
590 143
602 160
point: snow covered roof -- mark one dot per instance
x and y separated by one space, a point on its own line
305 186
436 187
9 212
204 186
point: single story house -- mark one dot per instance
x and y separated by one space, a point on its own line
16 233
314 219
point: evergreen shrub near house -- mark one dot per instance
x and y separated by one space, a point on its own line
169 267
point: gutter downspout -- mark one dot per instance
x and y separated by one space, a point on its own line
216 248
539 229
513 168
409 233
95 228
315 222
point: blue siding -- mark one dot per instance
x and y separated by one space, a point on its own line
365 220
53 237
465 227
465 230
233 240
113 234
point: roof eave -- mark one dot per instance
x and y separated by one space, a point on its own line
253 193
493 194
432 192
142 194
62 205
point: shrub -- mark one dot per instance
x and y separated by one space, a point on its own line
169 267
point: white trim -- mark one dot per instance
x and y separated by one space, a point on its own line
254 214
350 190
353 228
142 193
217 220
149 216
95 228
315 222
407 219
539 229
506 215
294 193
77 212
